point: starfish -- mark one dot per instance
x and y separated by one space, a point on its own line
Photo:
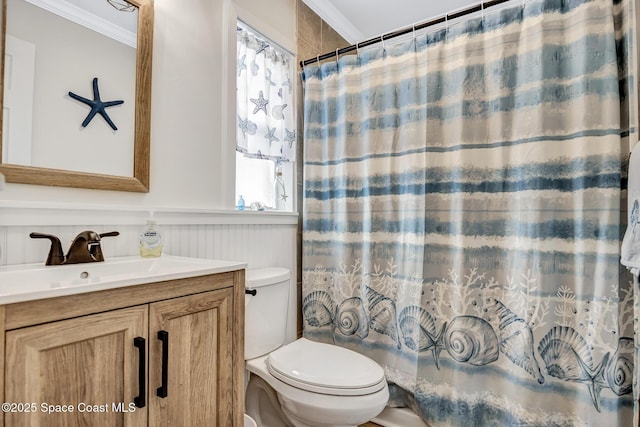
270 136
291 136
97 105
261 103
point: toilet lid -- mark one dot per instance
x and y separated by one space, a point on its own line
326 369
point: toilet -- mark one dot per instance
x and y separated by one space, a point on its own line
303 383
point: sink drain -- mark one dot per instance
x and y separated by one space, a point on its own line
84 274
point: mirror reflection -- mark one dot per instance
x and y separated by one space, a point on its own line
105 157
53 47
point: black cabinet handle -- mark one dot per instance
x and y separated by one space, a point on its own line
250 291
142 384
164 337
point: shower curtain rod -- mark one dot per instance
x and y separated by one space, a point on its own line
466 11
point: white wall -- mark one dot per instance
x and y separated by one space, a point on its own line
192 155
259 240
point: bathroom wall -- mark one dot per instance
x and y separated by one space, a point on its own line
190 157
205 234
192 152
190 148
314 37
259 240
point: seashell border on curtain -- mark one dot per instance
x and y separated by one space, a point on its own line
464 203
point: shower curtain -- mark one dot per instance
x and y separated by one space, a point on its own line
464 200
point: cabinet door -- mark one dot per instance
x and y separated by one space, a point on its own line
77 372
197 339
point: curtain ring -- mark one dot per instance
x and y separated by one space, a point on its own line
482 9
337 54
384 49
318 59
446 26
415 40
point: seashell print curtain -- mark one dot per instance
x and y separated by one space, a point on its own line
265 125
464 200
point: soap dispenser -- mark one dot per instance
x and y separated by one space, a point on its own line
151 241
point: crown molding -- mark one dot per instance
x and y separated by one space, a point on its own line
89 20
332 16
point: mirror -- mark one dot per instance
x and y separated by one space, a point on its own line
54 68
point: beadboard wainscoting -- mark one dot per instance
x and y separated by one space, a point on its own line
262 239
258 245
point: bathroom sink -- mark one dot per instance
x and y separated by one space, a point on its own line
35 281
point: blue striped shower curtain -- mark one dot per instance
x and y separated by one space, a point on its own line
464 198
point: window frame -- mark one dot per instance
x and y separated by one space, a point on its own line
263 28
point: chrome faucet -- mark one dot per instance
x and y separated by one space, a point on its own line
85 248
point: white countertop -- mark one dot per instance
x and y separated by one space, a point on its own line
29 282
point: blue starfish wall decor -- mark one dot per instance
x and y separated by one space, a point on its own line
97 105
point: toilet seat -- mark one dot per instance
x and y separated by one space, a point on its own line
306 408
326 369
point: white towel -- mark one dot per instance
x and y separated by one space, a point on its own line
630 253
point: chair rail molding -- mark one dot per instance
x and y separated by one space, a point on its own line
39 213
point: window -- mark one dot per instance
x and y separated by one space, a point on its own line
266 134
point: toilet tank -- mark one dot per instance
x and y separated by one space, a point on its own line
265 316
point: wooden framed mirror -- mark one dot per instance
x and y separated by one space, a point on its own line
103 158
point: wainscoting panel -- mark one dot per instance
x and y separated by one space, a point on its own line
260 241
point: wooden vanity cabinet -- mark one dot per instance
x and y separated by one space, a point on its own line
197 328
175 348
66 364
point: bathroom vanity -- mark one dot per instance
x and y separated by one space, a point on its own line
165 349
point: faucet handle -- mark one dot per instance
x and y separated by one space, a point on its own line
56 256
109 234
36 235
96 249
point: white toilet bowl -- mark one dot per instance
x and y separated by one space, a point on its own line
248 421
346 389
303 383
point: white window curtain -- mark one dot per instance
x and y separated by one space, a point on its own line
266 127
